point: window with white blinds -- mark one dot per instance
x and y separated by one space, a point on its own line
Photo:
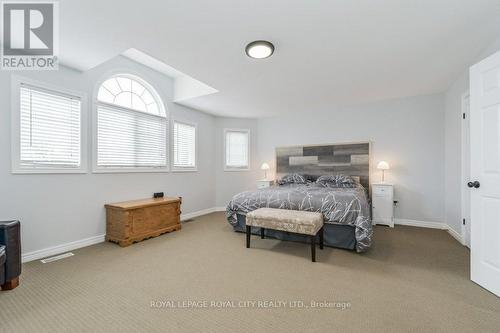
184 145
132 127
49 130
237 149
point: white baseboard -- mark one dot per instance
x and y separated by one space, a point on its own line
433 225
58 249
413 223
192 215
423 224
456 235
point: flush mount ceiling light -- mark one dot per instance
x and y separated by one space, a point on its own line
260 49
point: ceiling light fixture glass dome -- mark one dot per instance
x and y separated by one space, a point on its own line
260 49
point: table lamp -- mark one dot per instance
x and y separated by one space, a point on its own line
265 167
383 165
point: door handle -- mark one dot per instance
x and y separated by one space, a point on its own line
474 184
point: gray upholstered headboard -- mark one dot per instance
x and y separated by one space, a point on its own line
350 159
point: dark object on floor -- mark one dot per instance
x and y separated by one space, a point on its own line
10 254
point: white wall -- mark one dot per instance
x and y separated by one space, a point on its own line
408 133
419 137
56 209
453 141
228 183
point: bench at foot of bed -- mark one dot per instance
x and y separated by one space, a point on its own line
299 222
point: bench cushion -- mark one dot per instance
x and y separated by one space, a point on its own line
296 221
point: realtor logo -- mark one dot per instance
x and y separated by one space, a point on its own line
30 35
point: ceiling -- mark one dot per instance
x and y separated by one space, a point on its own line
327 52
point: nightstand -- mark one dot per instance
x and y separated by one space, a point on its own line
264 183
383 204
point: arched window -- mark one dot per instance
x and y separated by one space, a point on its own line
132 125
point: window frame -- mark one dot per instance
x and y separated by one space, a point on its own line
162 108
16 168
231 168
175 168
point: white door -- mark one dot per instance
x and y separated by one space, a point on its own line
485 173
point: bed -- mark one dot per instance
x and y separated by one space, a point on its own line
343 198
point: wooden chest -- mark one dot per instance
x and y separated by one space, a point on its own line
133 221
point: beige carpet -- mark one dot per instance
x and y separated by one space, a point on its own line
412 280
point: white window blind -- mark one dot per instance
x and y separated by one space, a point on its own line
237 147
184 145
132 126
50 129
129 138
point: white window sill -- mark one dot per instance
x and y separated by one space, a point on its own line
47 171
229 169
131 170
178 169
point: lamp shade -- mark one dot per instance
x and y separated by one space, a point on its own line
264 166
383 165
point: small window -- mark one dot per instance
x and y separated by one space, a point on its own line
132 127
184 146
49 133
237 149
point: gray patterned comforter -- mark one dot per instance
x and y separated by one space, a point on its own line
338 205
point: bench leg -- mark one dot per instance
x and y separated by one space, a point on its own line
262 233
313 248
321 238
249 230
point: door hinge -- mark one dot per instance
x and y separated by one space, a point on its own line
463 221
463 115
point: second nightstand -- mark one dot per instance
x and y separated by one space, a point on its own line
263 183
383 204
